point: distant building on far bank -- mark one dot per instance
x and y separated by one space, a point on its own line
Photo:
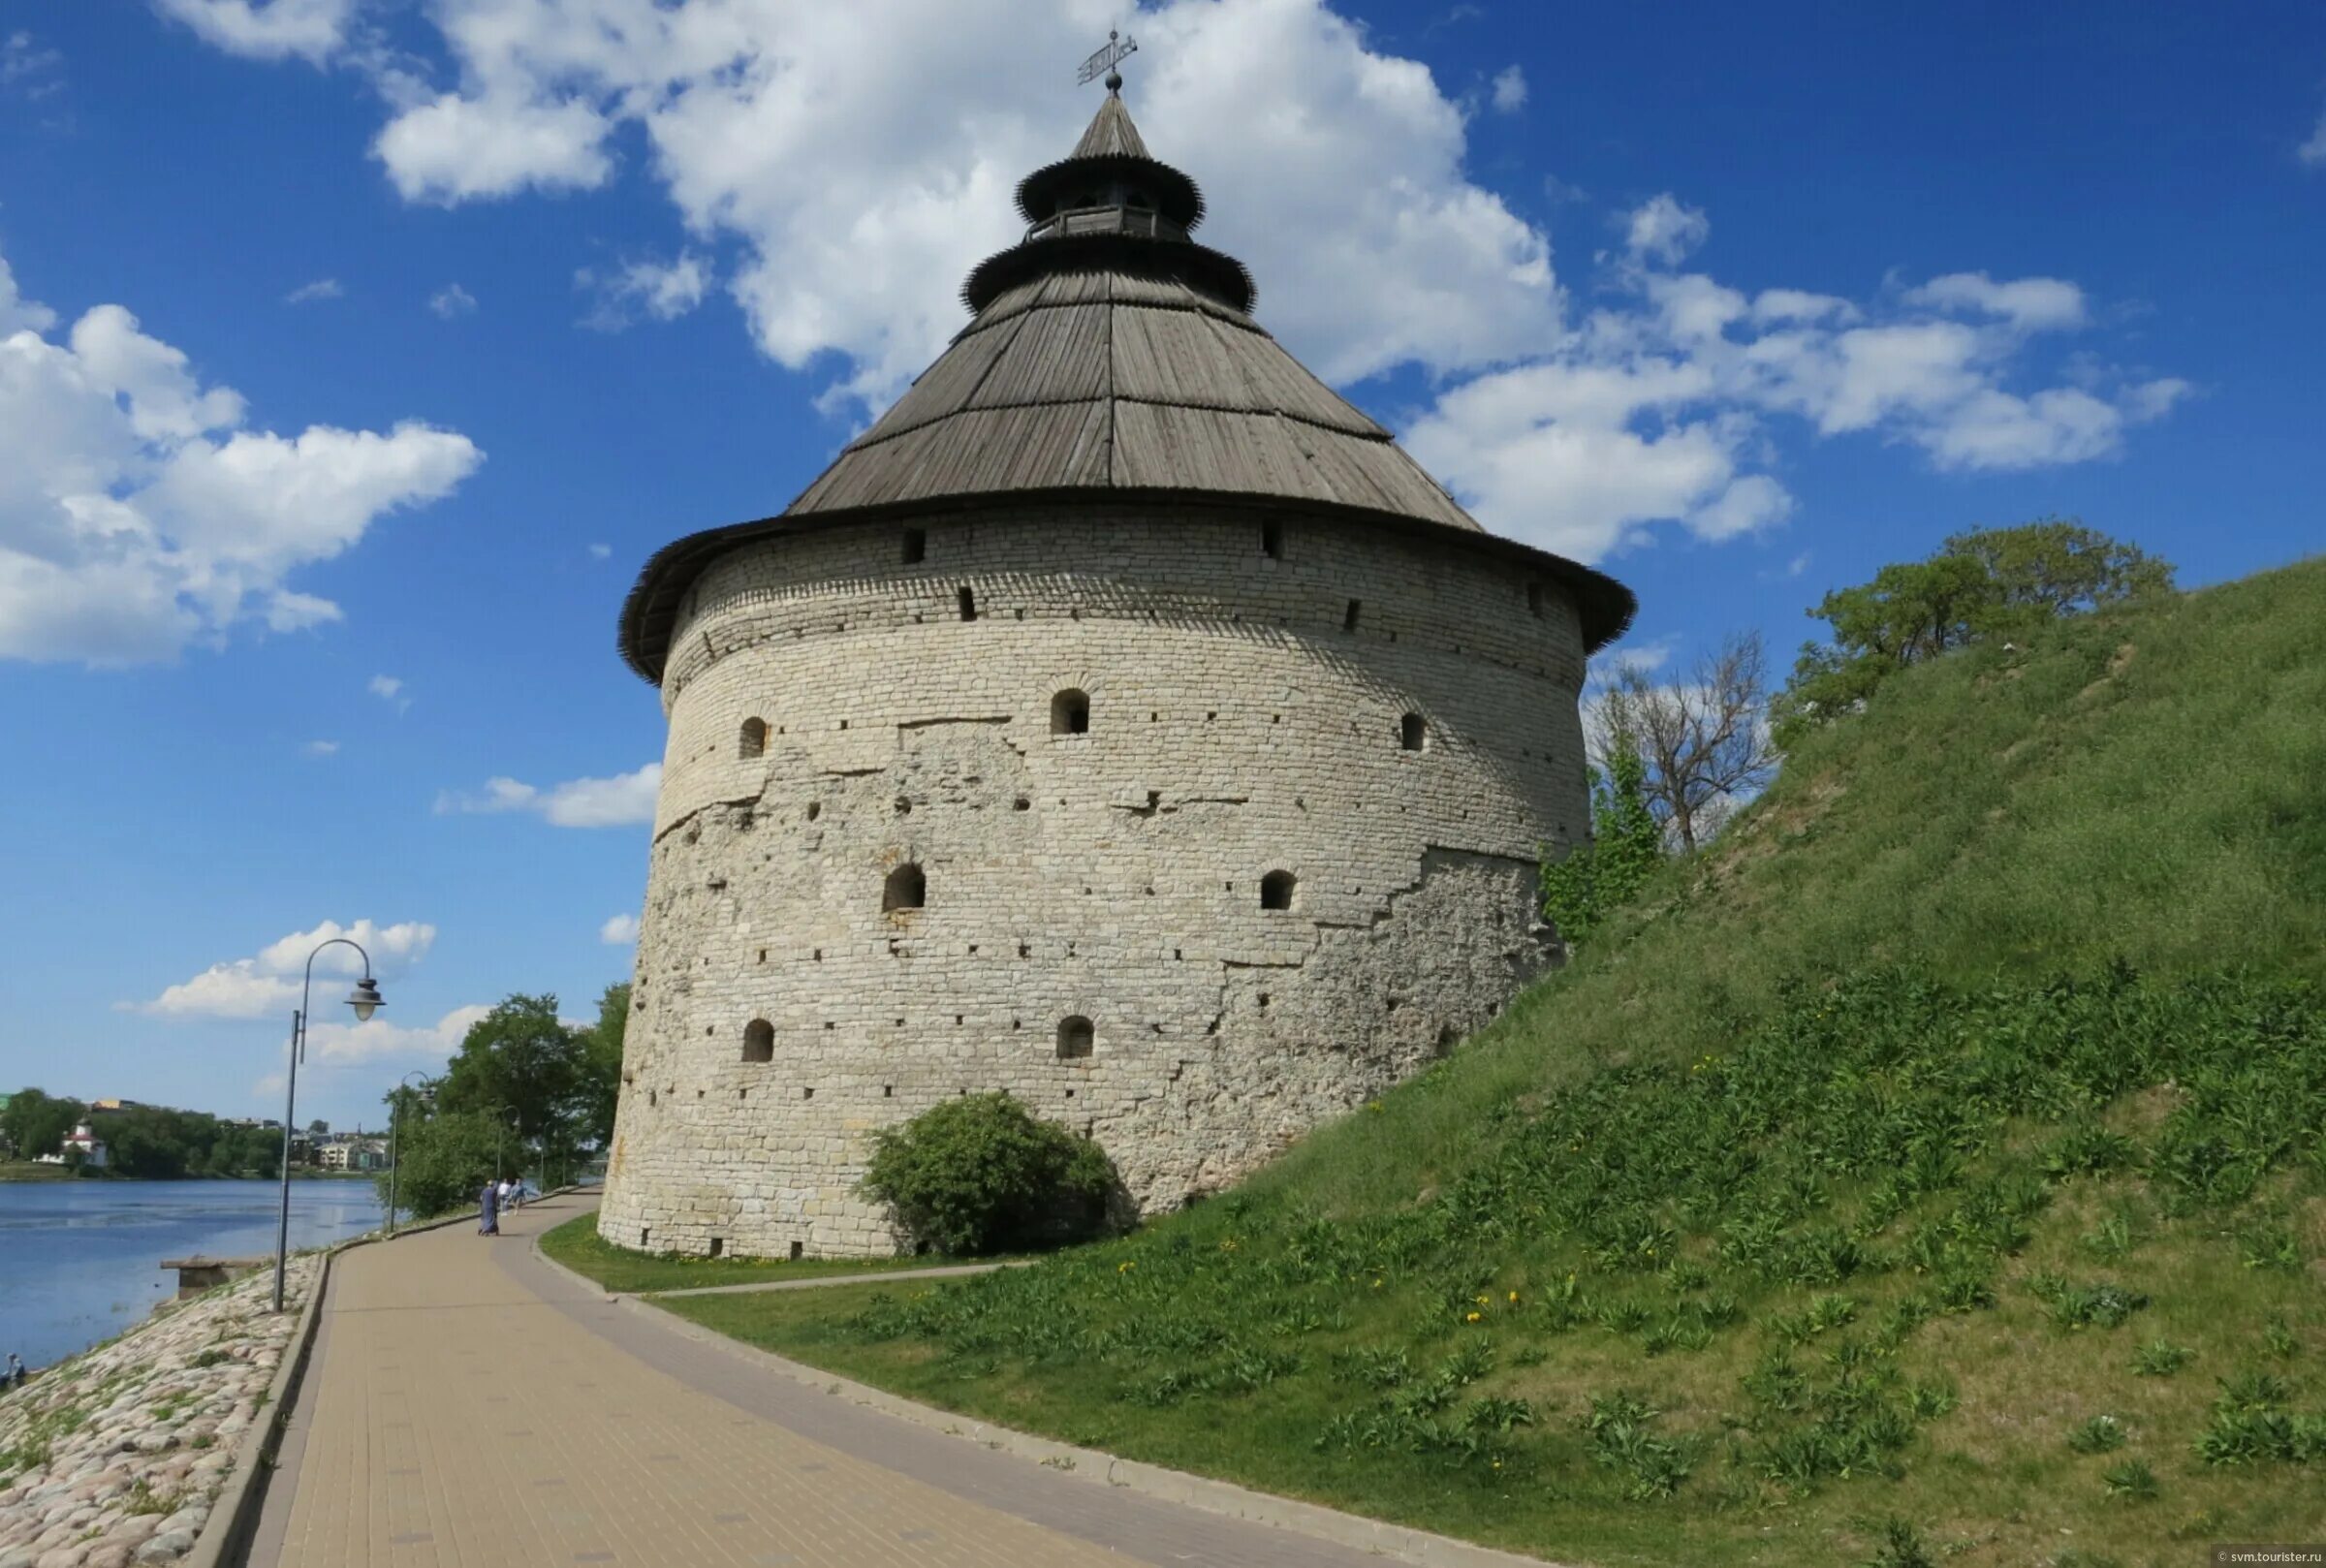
353 1151
90 1146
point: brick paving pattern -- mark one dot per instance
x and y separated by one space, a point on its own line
467 1406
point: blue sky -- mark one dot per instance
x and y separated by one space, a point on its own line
354 355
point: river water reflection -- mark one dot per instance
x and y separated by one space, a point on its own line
80 1260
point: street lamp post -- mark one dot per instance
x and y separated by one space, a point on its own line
365 1000
515 1124
396 1117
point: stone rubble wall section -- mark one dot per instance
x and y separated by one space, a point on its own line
117 1455
1238 725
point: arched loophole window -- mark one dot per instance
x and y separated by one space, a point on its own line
1076 1038
1413 732
759 1041
905 888
755 738
1275 890
1070 713
968 603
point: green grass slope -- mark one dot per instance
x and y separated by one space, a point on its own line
1933 1170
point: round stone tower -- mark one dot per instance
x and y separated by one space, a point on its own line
1123 721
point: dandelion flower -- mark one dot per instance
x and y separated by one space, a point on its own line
1472 1317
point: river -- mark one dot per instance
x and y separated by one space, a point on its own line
80 1260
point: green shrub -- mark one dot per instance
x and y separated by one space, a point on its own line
981 1173
2160 1357
1901 1548
1592 881
2099 1435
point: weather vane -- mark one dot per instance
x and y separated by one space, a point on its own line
1117 50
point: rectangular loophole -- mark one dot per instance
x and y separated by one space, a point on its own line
1348 623
1271 541
916 545
799 1249
718 1246
969 601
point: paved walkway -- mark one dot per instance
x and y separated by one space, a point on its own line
470 1407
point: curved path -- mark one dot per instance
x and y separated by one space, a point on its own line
470 1405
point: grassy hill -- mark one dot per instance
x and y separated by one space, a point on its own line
1935 1169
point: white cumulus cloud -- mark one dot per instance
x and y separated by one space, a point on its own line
1662 230
312 30
2031 304
661 291
1510 90
333 1044
1662 405
389 689
861 158
619 931
453 301
138 514
269 981
619 801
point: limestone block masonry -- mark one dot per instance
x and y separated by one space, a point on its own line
1224 820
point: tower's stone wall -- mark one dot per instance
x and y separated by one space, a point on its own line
1239 724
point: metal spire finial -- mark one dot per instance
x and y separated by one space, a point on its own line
1117 50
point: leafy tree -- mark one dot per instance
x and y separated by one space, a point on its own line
319 1128
1985 583
2058 567
980 1173
1585 887
445 1159
522 1064
36 1123
601 1066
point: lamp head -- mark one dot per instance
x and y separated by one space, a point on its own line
366 999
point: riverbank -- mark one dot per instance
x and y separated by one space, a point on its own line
81 1261
117 1455
37 1171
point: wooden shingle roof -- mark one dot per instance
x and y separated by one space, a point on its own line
1109 353
1111 379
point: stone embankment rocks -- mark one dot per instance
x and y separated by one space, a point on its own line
114 1456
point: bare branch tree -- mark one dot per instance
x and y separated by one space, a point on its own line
1705 740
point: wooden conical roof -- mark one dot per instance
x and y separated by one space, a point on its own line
1112 134
1109 354
1116 354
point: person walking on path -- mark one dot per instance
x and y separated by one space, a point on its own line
489 1210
